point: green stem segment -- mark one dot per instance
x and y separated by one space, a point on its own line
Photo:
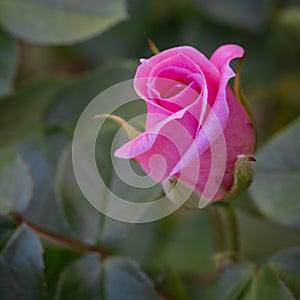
75 244
227 233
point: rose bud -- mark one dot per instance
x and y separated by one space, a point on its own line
198 134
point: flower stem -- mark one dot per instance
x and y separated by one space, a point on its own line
75 244
218 237
234 244
227 234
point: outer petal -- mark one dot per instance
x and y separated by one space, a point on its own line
155 114
182 121
158 152
218 116
239 135
225 54
240 139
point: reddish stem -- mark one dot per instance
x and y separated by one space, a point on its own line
78 245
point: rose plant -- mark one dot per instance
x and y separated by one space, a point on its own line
197 128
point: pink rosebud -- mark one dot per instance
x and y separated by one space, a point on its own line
196 128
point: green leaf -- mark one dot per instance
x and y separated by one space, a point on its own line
112 279
8 62
287 260
276 188
267 285
21 267
7 227
287 266
125 280
15 181
59 22
251 15
25 107
56 258
81 217
42 209
231 283
81 280
277 279
291 284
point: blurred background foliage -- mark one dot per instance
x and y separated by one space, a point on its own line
55 57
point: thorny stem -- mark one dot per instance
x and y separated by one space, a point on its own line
75 244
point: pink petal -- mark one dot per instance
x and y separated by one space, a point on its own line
157 153
144 70
144 141
137 146
158 114
223 55
240 139
217 118
179 60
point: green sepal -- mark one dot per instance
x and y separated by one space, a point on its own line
129 129
243 176
240 94
153 47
